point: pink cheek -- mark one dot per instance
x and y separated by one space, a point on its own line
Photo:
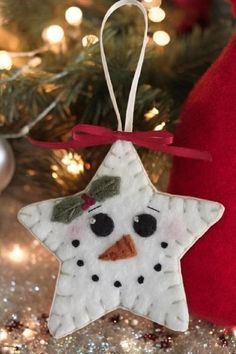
173 230
73 232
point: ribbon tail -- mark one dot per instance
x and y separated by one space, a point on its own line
185 152
52 145
173 150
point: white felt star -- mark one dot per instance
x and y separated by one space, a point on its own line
119 247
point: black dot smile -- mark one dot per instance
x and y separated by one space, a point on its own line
95 277
158 267
164 244
141 279
117 284
80 263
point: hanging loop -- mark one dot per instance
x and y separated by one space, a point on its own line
133 91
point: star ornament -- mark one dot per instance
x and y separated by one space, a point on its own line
119 243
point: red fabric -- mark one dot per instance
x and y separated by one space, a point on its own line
88 201
202 6
208 122
234 6
197 11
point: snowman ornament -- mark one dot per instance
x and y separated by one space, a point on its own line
120 241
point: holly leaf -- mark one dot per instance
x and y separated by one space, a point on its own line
67 210
105 187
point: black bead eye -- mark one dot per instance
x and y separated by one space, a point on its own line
101 224
144 225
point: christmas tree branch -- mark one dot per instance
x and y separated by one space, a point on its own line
26 129
67 85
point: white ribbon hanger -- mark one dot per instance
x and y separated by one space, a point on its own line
133 91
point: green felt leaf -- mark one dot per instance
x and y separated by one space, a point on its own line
67 210
105 187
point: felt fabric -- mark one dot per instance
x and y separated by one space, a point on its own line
149 283
208 122
105 187
68 209
122 249
234 6
197 12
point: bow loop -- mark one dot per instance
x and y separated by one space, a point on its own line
86 135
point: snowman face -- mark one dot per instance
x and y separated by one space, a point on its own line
104 227
112 236
119 245
114 241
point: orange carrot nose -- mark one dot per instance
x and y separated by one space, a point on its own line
122 249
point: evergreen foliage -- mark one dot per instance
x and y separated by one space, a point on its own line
68 87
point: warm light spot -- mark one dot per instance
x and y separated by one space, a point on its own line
5 60
54 167
67 159
17 254
124 344
74 15
152 113
53 34
89 40
151 3
128 345
34 62
3 334
160 126
156 14
161 38
87 166
75 168
28 333
234 332
74 163
54 175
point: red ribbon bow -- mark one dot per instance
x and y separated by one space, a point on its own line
85 135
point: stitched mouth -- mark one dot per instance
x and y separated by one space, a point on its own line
123 249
